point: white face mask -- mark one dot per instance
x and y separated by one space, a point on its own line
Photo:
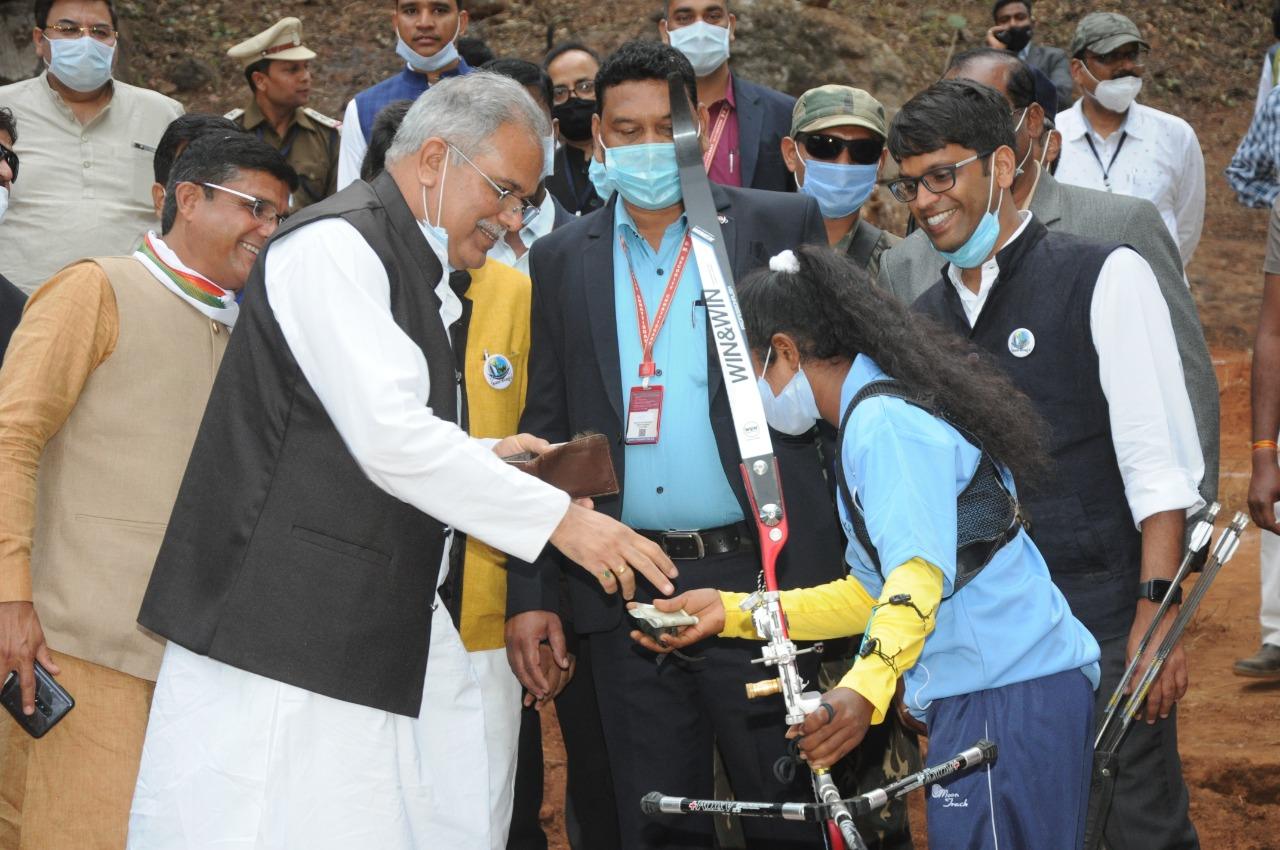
793 411
705 45
1116 95
429 64
4 201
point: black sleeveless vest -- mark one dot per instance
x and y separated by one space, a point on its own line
1080 518
281 557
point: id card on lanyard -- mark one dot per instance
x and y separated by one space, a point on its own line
644 409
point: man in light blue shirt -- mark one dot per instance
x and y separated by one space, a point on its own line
676 455
686 455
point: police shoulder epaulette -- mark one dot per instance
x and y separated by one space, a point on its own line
321 118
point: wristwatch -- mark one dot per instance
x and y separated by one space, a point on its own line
1157 588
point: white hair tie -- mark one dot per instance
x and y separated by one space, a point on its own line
787 261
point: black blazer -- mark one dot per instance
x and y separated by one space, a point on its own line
572 191
575 385
764 119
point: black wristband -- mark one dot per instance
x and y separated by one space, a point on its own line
1156 589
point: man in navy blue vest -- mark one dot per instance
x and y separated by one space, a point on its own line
1082 329
426 39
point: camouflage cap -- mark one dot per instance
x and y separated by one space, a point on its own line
837 106
1103 32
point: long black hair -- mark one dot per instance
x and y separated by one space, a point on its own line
832 310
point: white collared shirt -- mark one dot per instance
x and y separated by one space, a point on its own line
1152 427
538 228
1159 159
973 301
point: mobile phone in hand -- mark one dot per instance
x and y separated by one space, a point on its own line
52 702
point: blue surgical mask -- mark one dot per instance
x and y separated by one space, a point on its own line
82 64
645 175
705 45
428 64
982 241
840 190
437 237
794 410
599 179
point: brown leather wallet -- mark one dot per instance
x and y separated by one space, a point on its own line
583 468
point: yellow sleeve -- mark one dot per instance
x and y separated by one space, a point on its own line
68 328
899 631
837 609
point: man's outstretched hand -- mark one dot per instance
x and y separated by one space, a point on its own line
611 552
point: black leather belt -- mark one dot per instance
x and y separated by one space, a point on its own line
694 545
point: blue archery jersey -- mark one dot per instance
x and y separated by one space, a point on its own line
1010 623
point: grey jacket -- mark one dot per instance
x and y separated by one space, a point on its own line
1055 65
913 266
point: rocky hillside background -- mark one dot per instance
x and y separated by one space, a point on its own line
1203 52
1204 59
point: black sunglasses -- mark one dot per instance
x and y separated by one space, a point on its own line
822 146
11 158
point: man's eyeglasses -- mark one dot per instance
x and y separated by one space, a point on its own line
69 29
936 180
1133 54
11 159
264 211
507 199
823 146
584 89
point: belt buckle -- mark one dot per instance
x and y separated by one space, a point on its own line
684 545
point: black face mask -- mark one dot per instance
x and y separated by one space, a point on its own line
1015 38
574 116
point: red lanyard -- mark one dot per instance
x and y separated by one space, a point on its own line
716 132
649 333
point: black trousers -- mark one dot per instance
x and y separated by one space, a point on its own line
590 819
661 722
1149 805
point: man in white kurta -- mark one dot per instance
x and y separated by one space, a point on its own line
239 760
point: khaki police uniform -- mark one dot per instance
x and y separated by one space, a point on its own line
310 145
310 141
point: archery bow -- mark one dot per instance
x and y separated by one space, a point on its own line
759 466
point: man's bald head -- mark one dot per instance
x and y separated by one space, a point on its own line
1012 78
999 69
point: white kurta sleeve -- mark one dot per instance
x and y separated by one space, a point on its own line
351 147
1152 427
331 297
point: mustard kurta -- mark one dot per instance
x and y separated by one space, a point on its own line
499 328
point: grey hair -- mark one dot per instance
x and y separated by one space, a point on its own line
466 111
